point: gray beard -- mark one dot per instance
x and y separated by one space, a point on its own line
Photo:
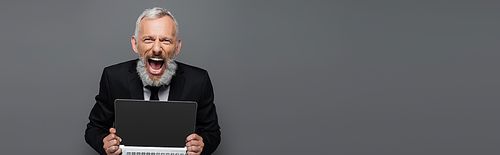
165 78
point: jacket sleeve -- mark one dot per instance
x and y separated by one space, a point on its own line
101 117
207 125
102 114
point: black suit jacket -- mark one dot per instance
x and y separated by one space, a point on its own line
121 81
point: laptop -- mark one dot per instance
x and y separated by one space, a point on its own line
154 127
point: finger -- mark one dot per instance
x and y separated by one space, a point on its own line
107 138
195 146
117 152
193 153
112 149
112 130
110 137
195 143
111 144
194 149
194 137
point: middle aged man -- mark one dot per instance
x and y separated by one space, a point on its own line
155 75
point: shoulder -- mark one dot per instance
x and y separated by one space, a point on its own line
195 81
186 69
122 67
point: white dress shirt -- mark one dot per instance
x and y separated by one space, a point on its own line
162 93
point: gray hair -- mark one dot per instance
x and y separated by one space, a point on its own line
165 79
155 13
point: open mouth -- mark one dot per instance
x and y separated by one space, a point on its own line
155 65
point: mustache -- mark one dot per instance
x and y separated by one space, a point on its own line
161 56
171 67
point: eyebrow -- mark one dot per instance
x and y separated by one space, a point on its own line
164 38
167 38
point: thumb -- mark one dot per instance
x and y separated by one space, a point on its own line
112 130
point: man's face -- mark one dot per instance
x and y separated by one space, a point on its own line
156 42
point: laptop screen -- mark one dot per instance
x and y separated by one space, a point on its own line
154 123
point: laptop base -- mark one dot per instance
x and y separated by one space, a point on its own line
142 150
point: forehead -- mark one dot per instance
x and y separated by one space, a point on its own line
159 26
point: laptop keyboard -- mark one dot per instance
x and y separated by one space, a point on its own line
140 150
153 153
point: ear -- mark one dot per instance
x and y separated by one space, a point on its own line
134 44
179 44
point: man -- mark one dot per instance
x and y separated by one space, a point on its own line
157 43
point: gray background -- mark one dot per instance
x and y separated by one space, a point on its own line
290 77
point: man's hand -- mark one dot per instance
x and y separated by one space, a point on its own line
194 144
112 142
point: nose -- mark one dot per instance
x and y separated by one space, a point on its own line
157 47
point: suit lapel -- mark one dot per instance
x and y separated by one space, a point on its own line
136 88
135 83
176 85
